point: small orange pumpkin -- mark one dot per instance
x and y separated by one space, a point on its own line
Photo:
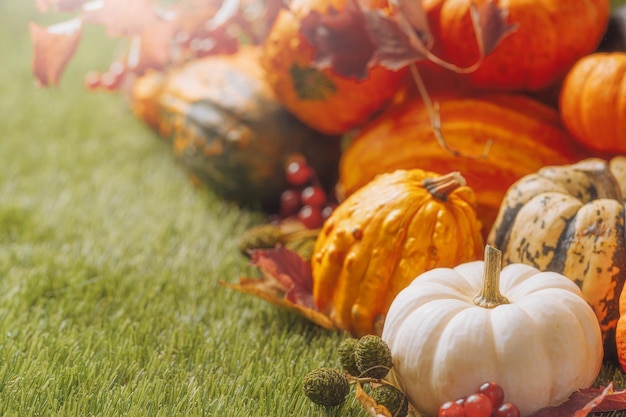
322 99
526 135
379 239
550 36
593 102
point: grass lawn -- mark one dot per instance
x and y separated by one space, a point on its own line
110 261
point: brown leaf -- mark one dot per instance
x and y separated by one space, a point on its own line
52 49
492 26
152 48
357 38
287 281
585 401
341 39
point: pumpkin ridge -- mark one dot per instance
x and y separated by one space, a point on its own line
620 102
372 298
557 263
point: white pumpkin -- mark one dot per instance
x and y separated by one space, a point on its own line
451 330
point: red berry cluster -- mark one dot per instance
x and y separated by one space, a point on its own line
487 401
305 199
110 80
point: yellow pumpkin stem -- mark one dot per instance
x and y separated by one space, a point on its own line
490 296
441 187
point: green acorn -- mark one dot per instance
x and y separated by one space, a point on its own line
373 357
347 356
392 398
326 386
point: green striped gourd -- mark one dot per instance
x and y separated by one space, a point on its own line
569 219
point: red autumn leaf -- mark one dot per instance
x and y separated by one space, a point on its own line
357 38
287 281
585 401
290 270
122 18
341 39
52 49
60 5
152 48
492 26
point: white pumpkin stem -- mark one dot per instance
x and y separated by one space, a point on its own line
490 296
441 187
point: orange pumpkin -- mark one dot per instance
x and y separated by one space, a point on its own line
550 36
322 99
526 135
593 102
383 236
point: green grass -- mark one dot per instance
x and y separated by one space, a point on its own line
110 261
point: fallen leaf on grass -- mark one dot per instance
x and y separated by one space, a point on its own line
585 401
286 281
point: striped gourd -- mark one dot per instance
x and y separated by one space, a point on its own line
569 219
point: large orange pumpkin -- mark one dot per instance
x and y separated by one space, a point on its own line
593 102
383 236
324 100
526 135
550 36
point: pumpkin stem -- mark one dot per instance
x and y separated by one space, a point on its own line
435 120
490 296
441 187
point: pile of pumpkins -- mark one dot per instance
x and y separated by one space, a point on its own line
533 162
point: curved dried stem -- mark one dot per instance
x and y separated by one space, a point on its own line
432 108
479 43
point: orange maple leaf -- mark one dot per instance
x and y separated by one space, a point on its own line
53 47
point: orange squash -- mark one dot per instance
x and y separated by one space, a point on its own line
383 236
322 99
592 102
550 36
526 135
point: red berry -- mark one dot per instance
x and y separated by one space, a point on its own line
117 68
478 405
289 203
494 392
111 81
328 210
298 172
451 409
92 80
507 410
313 196
311 217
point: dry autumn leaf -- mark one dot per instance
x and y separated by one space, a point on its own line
357 38
287 282
53 48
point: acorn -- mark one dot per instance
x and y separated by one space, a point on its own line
347 356
392 399
373 357
326 386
